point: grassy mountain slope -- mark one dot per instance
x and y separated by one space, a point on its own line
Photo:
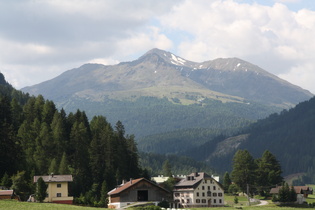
161 92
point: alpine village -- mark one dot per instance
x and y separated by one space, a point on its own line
158 132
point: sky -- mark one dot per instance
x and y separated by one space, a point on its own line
40 39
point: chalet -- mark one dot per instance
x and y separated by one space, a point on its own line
7 194
302 192
198 190
137 191
57 190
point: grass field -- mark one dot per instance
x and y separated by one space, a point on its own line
16 205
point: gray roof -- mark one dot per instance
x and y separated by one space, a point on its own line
192 180
55 178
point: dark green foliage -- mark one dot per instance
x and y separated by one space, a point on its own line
167 171
21 185
226 181
162 116
152 207
180 164
286 194
6 181
38 139
244 168
268 172
41 188
164 204
289 135
233 189
256 174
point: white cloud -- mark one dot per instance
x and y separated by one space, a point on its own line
272 37
40 39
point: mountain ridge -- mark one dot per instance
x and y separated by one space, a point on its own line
231 78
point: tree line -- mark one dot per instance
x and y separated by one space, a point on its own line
38 139
253 175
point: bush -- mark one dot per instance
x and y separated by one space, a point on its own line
148 208
164 204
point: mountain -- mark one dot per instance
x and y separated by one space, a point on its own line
289 136
161 92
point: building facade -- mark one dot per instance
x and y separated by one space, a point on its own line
57 190
198 190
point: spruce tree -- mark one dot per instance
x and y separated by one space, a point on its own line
41 189
244 167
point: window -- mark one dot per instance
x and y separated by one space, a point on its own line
204 201
214 201
188 201
203 187
197 194
220 194
213 187
176 194
214 194
220 201
208 187
209 193
58 185
197 200
203 194
58 194
205 181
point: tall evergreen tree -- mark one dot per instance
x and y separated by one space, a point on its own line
244 167
41 188
268 173
226 181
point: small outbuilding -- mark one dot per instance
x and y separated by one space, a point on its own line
7 194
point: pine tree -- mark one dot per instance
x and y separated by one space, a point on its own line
226 181
244 167
53 168
64 166
41 188
167 171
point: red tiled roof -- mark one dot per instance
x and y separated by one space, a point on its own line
55 178
6 192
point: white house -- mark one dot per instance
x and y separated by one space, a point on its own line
198 190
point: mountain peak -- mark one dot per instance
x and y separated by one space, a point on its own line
167 57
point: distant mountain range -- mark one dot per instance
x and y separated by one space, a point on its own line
161 92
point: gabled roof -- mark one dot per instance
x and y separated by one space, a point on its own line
131 183
55 178
192 180
6 192
298 190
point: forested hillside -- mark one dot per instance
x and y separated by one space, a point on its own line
38 139
289 136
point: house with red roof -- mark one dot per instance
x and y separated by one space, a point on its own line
137 191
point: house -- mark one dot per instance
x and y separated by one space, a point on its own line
198 190
7 194
302 192
57 190
137 191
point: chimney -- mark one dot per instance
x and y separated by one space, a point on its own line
123 182
130 180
